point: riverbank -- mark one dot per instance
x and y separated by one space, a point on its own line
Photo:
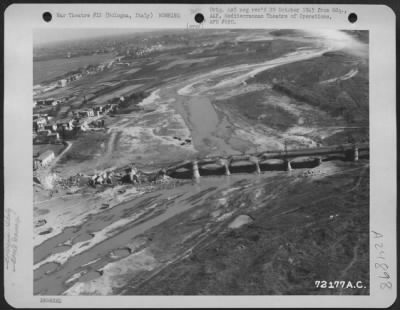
170 234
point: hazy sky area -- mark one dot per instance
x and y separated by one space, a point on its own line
43 36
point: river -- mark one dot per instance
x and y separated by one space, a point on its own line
50 280
215 132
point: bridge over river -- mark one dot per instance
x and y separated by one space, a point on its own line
268 161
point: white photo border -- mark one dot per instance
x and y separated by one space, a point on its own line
21 19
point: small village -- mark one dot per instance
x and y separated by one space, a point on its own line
53 129
48 130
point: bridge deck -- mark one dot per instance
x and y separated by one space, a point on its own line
325 150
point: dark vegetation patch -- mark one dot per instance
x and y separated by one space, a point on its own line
41 148
361 35
254 106
131 101
85 147
228 52
318 230
348 136
302 81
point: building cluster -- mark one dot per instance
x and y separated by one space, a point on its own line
105 177
71 78
75 76
40 89
48 101
143 51
46 126
92 69
43 160
47 130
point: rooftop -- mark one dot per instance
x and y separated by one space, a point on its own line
46 154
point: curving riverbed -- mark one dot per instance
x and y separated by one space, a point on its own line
216 132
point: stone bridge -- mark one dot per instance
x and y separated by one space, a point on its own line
267 161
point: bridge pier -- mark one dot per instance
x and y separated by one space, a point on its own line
352 154
355 153
225 163
256 162
227 171
196 173
269 160
288 166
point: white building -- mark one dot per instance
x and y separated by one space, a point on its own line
45 158
39 123
62 83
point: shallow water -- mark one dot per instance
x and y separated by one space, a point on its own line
202 116
115 245
170 202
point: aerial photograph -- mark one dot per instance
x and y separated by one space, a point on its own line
200 162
